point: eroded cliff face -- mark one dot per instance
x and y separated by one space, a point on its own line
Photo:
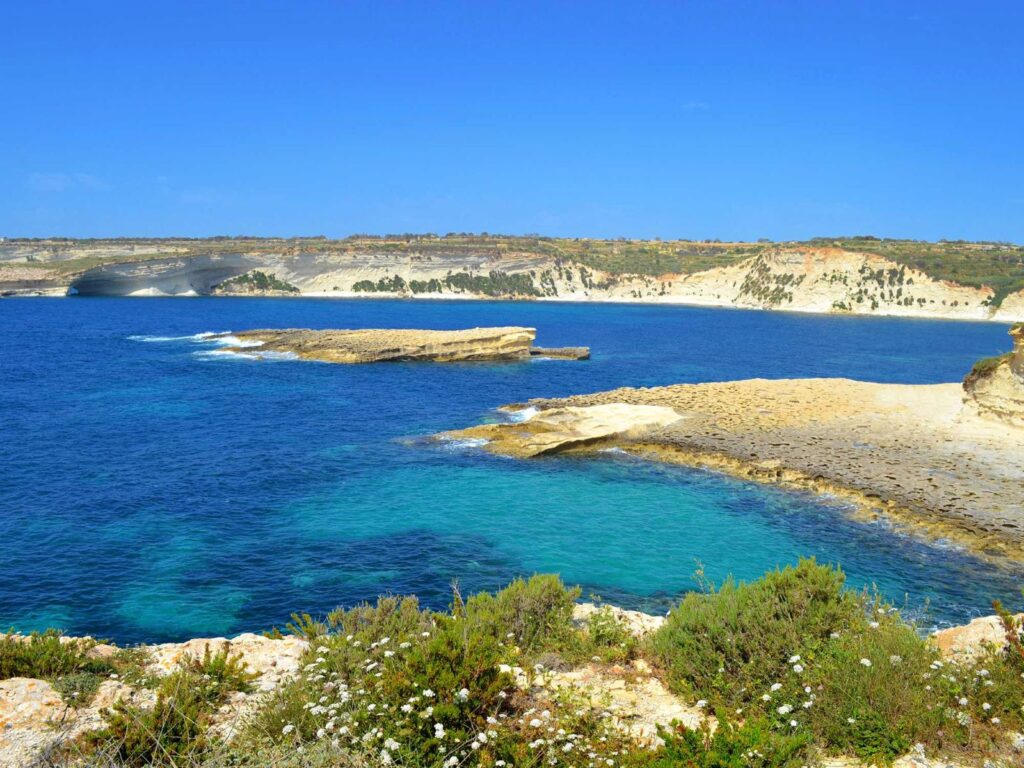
789 277
995 388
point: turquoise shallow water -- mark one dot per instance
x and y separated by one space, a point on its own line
152 491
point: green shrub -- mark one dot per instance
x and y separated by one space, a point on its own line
608 638
730 645
171 733
871 696
984 368
392 683
220 673
533 614
392 677
753 745
47 655
78 688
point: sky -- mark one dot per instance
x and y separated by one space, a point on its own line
723 119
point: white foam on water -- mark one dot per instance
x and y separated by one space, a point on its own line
194 337
276 356
223 354
227 340
615 450
523 414
233 354
463 443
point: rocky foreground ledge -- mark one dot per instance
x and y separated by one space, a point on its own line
942 459
373 345
37 722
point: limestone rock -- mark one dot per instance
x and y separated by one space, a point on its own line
638 702
970 640
30 710
995 388
274 660
561 353
371 345
557 429
636 622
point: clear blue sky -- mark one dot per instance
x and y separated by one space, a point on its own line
677 119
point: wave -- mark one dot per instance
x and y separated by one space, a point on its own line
233 354
523 414
224 354
227 340
463 443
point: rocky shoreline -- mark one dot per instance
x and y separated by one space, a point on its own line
37 723
933 458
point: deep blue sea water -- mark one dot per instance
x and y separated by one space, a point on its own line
151 491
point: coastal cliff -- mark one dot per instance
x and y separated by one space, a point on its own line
995 387
972 281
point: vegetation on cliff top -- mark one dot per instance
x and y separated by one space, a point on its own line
793 666
256 281
999 266
984 368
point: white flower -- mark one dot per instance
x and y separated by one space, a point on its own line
798 668
785 709
438 731
388 654
794 659
463 694
702 703
963 701
428 693
766 697
385 757
288 729
793 723
776 686
995 720
873 625
986 706
851 720
535 723
865 662
895 659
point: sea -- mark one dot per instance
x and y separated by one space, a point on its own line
154 488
